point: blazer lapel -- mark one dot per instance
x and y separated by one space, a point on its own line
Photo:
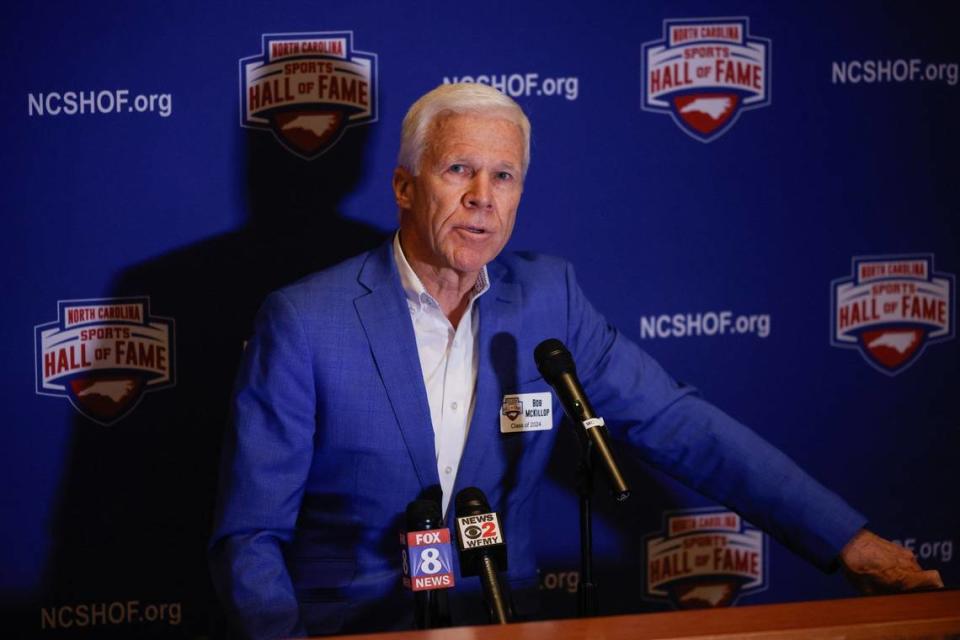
385 318
500 322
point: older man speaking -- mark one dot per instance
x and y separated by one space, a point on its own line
373 382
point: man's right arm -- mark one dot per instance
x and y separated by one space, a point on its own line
265 462
724 460
678 432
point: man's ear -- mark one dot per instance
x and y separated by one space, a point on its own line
403 188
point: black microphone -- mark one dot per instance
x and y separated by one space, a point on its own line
428 564
482 549
556 366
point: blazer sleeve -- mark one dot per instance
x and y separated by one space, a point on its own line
674 429
265 463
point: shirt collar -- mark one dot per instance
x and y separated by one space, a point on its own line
413 287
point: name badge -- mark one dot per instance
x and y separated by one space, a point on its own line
526 412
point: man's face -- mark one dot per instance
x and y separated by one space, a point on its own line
458 213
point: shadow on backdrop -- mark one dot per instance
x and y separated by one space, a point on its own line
135 508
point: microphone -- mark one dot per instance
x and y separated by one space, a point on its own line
428 564
482 549
555 364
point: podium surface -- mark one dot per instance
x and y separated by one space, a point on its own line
932 615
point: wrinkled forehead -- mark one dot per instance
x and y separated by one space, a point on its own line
494 132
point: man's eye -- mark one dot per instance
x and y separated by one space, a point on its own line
457 168
504 175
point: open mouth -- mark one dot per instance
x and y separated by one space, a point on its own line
473 230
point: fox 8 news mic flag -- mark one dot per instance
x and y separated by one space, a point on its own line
427 552
429 560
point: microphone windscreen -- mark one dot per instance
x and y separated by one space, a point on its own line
471 501
423 514
553 359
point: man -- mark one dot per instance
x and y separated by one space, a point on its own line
375 381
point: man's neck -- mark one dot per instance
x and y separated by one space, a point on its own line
451 289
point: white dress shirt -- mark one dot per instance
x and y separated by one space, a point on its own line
449 361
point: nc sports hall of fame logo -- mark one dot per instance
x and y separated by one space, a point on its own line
104 354
890 308
308 88
705 72
705 558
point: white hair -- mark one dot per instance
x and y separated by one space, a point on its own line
458 98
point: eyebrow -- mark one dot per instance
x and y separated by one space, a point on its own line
466 158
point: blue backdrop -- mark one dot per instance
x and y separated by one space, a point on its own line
763 195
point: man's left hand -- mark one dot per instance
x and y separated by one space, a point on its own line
875 565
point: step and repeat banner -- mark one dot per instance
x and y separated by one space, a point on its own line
763 195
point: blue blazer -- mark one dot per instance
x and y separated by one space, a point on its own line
332 439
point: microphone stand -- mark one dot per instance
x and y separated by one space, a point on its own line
587 602
555 364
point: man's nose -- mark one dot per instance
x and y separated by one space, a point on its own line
479 194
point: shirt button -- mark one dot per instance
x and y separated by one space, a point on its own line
448 470
453 405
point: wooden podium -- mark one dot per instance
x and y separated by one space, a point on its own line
927 616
